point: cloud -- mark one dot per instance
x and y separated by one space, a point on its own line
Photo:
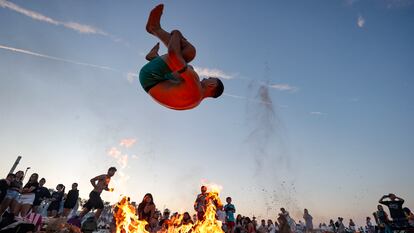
131 77
55 58
206 72
128 142
283 87
317 113
80 28
361 21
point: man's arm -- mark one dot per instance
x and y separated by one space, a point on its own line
93 180
399 199
381 200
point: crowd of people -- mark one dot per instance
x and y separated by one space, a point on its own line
20 200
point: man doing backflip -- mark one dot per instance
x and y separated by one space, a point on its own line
169 79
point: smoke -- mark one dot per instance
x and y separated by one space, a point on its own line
266 143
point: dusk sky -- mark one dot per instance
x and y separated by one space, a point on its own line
317 109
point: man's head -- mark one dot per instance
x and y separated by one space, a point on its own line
392 196
203 189
75 186
228 200
111 171
42 182
213 87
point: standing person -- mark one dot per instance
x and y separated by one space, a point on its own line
146 209
308 221
57 196
250 226
409 215
370 227
283 224
5 185
332 225
26 199
42 193
169 79
71 200
352 226
290 221
13 193
99 184
270 226
200 203
340 225
395 206
230 210
383 222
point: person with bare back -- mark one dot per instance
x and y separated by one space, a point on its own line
169 79
99 183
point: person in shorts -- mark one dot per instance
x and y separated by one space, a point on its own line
71 200
99 184
57 196
13 193
5 185
26 199
230 210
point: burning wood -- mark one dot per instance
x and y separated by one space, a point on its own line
127 221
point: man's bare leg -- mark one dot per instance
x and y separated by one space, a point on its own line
98 213
154 27
175 59
153 53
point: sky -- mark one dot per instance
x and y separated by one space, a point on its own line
317 109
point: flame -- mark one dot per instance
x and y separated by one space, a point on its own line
111 190
127 220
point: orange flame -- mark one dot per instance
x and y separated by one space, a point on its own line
127 220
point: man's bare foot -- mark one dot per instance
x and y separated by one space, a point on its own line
153 53
153 23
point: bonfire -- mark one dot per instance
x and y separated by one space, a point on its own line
127 221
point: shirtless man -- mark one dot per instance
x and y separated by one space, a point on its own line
99 184
168 78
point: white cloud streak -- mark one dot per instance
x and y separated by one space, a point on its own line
361 21
207 72
56 58
283 87
317 113
80 28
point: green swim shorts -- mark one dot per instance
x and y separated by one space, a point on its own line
154 72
